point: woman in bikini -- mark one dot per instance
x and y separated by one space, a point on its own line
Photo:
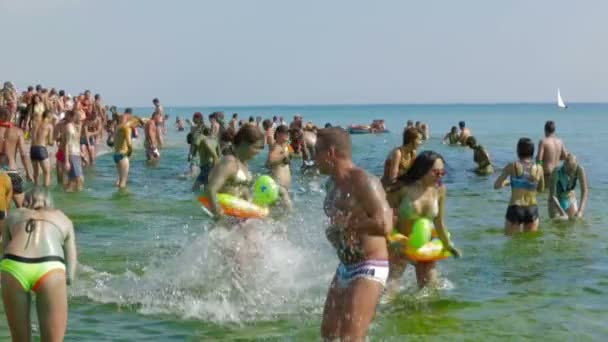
422 195
526 179
231 175
40 256
401 158
562 192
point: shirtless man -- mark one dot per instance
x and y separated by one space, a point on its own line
360 219
11 142
208 150
464 133
551 150
123 147
214 125
71 144
234 122
158 109
42 136
91 129
151 138
58 132
269 132
279 162
39 256
99 110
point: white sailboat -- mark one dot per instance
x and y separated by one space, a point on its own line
560 101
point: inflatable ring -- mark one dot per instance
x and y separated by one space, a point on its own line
234 206
430 251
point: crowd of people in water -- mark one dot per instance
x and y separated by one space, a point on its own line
363 210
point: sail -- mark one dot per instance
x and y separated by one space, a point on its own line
560 101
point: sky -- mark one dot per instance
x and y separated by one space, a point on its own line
257 52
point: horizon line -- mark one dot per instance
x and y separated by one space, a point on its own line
368 104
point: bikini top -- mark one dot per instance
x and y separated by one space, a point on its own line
564 183
524 181
408 212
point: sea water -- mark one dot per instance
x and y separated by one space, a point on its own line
151 268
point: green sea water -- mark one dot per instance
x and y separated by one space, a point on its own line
150 268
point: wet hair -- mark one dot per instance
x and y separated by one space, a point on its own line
274 119
30 88
281 129
422 165
155 100
410 123
129 111
61 93
266 124
251 119
410 135
235 115
525 148
227 135
97 96
328 125
248 134
338 138
471 141
37 198
454 129
462 124
550 127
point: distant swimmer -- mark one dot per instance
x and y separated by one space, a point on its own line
464 133
179 124
269 132
123 146
401 158
73 161
526 179
423 195
231 175
39 256
481 157
151 142
160 126
42 136
279 162
562 190
452 138
425 131
11 142
208 153
360 219
551 150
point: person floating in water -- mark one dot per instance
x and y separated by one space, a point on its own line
526 179
39 256
481 157
360 219
562 190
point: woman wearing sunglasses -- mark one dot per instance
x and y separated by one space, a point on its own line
421 196
526 178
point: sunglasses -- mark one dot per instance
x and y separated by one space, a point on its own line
439 172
